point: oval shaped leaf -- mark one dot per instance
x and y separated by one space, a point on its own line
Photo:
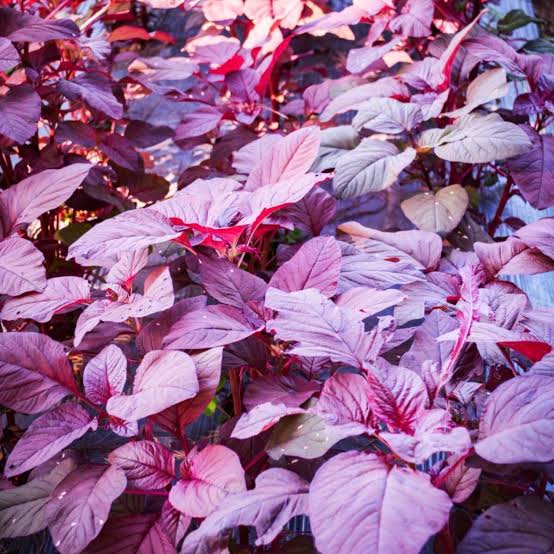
105 375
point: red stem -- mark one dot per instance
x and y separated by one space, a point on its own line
497 219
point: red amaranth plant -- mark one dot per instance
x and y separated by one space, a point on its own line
246 274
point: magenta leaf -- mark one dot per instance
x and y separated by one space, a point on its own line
147 464
104 376
61 294
316 265
516 425
24 202
35 373
23 508
208 327
278 496
366 301
21 267
81 504
132 534
398 395
522 525
460 480
211 475
313 212
229 284
345 403
163 378
415 18
357 503
20 110
49 434
539 235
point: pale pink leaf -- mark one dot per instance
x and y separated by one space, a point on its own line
23 202
211 475
517 424
262 417
290 157
21 267
358 504
163 378
61 294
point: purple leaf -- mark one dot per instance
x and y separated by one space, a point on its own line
534 170
19 113
21 267
517 424
151 336
105 375
358 503
95 89
132 534
23 508
9 56
313 212
539 234
49 434
127 232
262 417
289 390
229 284
208 327
211 475
208 371
318 327
163 378
198 122
523 525
23 27
316 265
279 495
81 504
62 294
24 202
147 464
288 158
35 373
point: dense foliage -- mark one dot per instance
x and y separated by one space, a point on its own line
246 275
